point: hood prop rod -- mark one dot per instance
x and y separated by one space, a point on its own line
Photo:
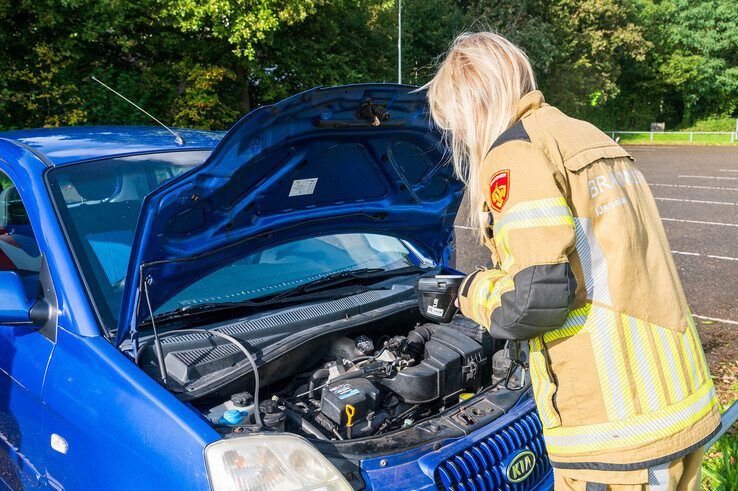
157 340
213 333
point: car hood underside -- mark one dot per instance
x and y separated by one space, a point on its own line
359 158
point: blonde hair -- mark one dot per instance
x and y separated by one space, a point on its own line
473 99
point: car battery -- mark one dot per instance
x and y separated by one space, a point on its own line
358 392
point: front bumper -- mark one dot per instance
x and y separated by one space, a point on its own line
475 461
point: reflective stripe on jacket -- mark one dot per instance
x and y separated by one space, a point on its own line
586 274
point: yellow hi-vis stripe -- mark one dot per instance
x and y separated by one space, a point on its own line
548 212
574 323
666 349
690 360
638 430
482 285
681 361
691 356
610 362
697 349
543 386
487 294
642 359
494 294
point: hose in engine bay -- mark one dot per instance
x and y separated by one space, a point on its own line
239 345
379 369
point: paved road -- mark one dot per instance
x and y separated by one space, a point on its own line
696 189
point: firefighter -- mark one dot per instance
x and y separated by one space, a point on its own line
583 272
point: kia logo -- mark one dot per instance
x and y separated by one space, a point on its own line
520 466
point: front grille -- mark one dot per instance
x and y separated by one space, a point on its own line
480 466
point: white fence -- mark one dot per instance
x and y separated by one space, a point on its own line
733 134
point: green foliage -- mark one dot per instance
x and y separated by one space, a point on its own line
346 41
242 23
691 70
674 139
720 466
619 64
702 61
713 124
597 37
525 22
202 99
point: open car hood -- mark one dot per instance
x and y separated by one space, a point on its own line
311 165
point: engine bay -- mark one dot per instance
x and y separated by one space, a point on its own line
390 361
368 384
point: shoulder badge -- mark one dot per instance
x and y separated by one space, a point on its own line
499 189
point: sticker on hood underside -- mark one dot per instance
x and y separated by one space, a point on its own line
302 187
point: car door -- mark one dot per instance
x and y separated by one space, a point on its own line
25 351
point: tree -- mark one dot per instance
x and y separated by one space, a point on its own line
594 39
205 63
45 69
528 23
242 23
697 55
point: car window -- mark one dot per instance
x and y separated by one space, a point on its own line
19 250
99 203
286 266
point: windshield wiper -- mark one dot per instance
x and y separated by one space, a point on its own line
343 277
200 308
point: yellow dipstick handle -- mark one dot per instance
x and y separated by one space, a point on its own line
350 411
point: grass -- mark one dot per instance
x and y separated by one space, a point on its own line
712 124
720 465
674 139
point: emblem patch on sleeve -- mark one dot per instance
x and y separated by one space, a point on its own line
499 189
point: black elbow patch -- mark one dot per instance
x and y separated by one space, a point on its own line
541 300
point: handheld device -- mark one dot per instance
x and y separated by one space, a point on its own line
437 295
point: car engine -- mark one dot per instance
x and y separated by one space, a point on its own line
368 385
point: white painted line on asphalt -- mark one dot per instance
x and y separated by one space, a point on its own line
715 319
728 170
697 201
699 222
711 256
728 258
688 186
709 177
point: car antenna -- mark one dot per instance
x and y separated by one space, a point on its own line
177 137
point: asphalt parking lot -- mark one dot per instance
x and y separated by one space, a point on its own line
696 189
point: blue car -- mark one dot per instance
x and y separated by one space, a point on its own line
238 311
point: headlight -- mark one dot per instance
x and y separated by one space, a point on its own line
266 462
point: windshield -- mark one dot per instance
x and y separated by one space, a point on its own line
99 203
290 265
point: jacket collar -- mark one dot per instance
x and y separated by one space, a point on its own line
528 103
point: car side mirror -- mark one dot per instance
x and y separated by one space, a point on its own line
15 306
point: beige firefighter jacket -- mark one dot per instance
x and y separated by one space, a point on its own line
586 274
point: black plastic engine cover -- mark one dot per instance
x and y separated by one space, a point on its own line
358 392
452 364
